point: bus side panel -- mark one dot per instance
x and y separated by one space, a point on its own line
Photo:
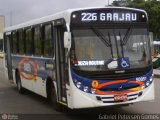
34 72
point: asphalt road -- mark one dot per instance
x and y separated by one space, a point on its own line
30 105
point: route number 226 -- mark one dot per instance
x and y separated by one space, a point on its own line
89 16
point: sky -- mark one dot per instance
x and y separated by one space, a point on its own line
19 11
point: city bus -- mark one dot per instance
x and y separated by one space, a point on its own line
83 58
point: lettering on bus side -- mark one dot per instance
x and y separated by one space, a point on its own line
49 66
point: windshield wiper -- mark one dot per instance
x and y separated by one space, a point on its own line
124 40
103 39
126 37
110 44
121 43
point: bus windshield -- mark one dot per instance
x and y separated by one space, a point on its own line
100 49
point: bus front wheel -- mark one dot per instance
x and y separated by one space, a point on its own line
53 98
19 84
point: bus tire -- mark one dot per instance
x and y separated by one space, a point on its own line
19 84
53 99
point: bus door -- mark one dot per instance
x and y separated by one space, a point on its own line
8 56
61 67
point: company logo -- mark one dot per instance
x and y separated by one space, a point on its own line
9 117
4 116
95 83
120 88
27 69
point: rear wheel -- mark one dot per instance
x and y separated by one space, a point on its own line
53 98
19 84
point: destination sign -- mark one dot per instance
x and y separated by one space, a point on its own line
107 15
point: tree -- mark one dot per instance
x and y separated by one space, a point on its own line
120 3
153 9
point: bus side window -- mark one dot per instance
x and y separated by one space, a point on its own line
29 42
21 42
14 43
48 40
37 41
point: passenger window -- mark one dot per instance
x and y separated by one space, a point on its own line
21 42
48 40
29 42
14 43
37 41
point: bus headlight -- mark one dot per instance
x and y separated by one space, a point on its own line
85 88
75 80
79 84
93 91
143 86
152 77
147 83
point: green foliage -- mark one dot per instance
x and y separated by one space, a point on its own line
153 9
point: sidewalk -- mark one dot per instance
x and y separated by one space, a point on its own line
156 72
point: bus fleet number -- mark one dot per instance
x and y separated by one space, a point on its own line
89 16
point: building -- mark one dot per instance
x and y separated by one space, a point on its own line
2 25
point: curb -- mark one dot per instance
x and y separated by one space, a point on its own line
156 73
156 76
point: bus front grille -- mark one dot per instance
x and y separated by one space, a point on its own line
110 99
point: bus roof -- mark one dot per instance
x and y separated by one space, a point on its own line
64 14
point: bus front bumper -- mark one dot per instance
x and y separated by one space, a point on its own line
80 99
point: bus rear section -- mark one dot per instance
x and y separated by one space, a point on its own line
110 58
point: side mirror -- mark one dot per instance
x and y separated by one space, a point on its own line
67 39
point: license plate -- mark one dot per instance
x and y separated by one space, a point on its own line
122 97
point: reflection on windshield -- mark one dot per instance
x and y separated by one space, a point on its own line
97 49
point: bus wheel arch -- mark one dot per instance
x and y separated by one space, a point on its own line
48 87
18 82
52 94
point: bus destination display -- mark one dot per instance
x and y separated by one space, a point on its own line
86 16
101 16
